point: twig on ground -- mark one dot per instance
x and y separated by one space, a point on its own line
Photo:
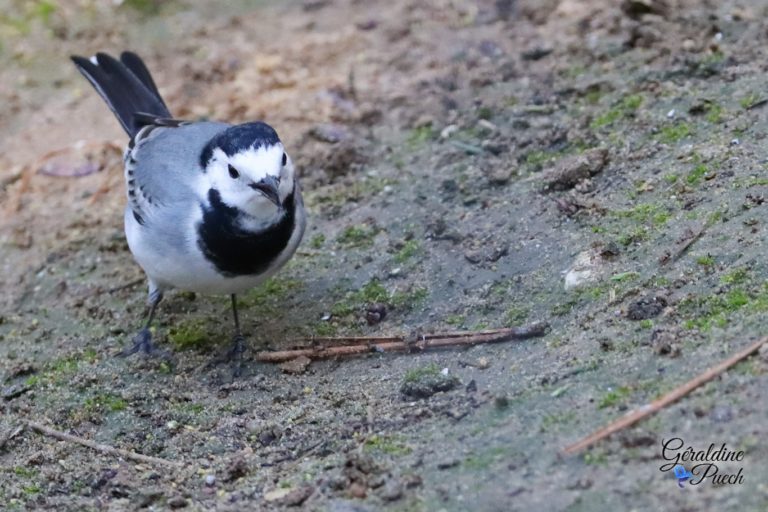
14 199
13 433
367 344
127 285
757 103
633 417
103 448
684 248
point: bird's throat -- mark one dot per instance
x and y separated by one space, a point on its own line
235 244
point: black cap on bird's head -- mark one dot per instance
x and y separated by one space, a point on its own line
239 138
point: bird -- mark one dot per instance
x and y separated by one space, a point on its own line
212 207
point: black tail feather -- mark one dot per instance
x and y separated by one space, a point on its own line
127 87
138 68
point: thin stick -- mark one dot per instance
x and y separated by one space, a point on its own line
103 448
127 285
513 331
401 344
14 201
758 103
686 245
633 417
12 434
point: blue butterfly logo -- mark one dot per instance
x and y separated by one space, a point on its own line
681 474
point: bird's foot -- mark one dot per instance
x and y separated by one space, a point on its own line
234 356
142 342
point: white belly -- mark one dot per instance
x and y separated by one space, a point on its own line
176 262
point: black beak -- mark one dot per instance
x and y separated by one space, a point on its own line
268 187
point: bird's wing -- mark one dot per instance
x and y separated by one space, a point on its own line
162 163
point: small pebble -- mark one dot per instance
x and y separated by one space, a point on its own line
177 502
448 463
721 414
295 366
487 125
210 480
357 490
393 490
375 313
448 131
501 175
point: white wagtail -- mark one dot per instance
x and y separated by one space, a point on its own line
212 207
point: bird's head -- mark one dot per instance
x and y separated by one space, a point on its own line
248 166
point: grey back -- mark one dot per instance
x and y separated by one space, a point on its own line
167 161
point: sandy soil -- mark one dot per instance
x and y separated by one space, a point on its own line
596 165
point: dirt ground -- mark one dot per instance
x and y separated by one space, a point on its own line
600 166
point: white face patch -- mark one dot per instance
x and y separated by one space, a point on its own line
251 166
256 164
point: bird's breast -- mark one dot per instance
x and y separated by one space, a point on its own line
235 250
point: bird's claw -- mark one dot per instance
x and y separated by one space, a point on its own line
233 355
142 342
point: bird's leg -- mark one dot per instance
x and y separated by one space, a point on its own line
142 342
235 353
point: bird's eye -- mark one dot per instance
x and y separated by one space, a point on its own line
233 172
285 159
